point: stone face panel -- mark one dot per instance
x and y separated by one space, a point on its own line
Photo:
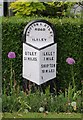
39 66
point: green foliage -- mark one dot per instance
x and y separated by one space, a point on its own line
69 43
27 8
15 102
56 9
10 103
31 103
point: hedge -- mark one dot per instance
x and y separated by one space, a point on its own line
69 41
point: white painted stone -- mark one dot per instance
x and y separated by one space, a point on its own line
39 66
39 35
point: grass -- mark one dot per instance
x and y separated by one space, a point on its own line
42 115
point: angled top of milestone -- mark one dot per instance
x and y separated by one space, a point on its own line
39 34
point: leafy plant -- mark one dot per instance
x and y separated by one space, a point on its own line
27 8
34 101
15 102
56 9
23 104
10 103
